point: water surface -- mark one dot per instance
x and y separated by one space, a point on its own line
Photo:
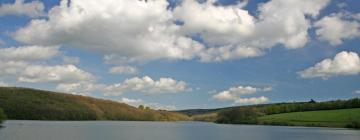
124 130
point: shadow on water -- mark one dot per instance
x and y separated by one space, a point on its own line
2 124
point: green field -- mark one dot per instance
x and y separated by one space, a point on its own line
326 118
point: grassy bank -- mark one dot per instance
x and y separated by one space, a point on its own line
338 113
32 104
326 118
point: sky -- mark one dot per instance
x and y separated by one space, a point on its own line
183 54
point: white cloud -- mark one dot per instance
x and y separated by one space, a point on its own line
132 102
149 33
356 16
337 27
11 68
344 63
80 88
133 29
234 94
285 22
252 100
217 24
341 5
70 60
28 64
217 54
137 102
2 42
3 84
279 22
147 85
357 91
56 74
14 60
28 53
19 7
123 70
267 89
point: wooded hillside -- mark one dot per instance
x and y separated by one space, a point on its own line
32 104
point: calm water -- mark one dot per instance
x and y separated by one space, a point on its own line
122 130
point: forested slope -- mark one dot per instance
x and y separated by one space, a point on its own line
32 104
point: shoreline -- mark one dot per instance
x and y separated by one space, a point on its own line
190 121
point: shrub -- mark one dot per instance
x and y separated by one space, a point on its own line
353 124
239 116
2 115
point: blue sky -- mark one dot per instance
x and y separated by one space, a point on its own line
224 61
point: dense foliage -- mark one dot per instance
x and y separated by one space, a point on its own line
208 117
30 104
2 115
309 106
194 112
237 114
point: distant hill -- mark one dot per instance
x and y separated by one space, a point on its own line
273 114
193 112
32 104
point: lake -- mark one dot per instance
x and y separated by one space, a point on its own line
126 130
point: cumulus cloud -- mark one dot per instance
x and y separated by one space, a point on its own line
19 7
123 70
137 102
132 102
151 31
14 60
218 54
28 53
337 27
145 85
2 42
130 28
285 22
279 22
234 94
28 64
70 60
357 91
217 24
80 88
56 74
344 63
3 84
11 68
148 86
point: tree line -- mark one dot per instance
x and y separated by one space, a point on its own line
249 114
2 115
